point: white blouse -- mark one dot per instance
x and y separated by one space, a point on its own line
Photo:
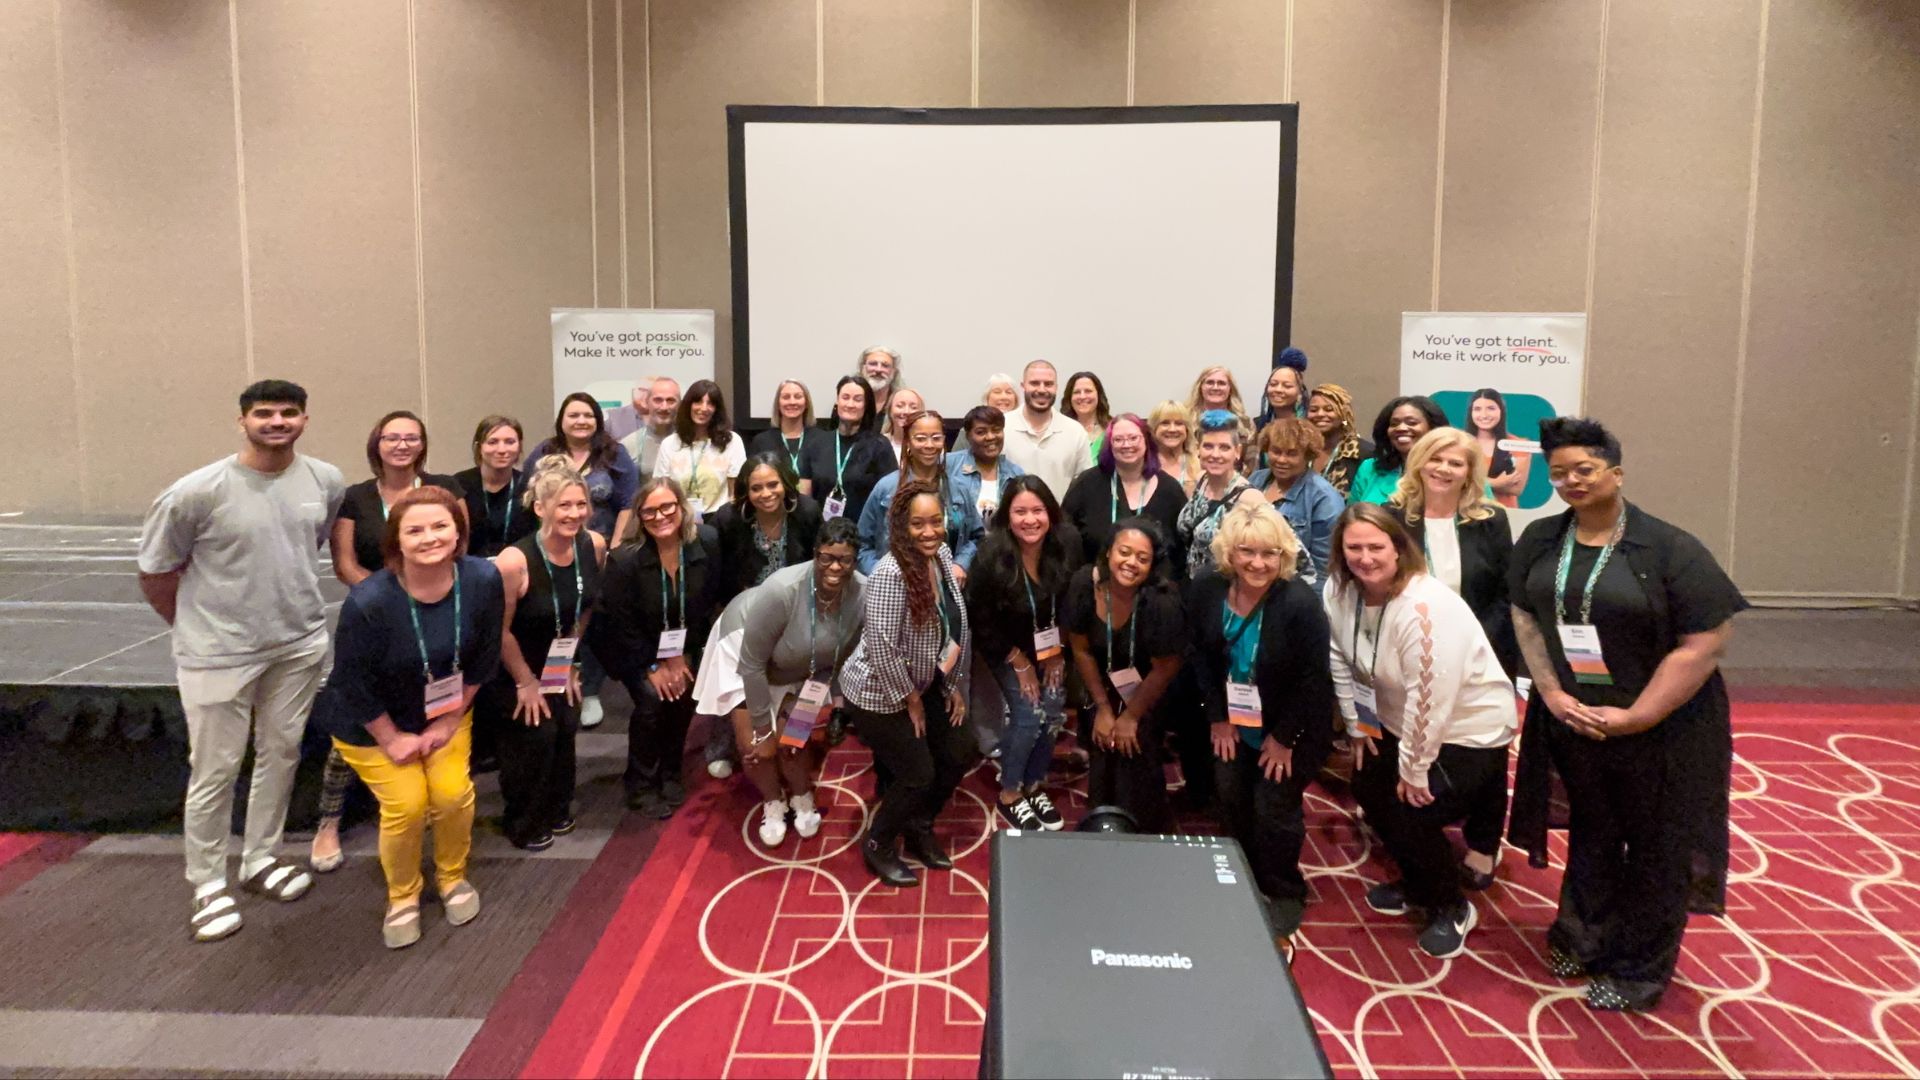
704 473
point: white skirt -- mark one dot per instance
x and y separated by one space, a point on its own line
718 688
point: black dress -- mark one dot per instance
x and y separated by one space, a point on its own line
1156 630
364 507
1093 506
794 451
495 519
1652 806
854 463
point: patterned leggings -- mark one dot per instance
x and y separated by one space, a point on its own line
333 789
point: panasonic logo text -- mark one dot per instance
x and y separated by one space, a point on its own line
1103 958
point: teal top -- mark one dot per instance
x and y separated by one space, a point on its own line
1243 651
1372 486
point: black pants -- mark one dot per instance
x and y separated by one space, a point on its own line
1138 783
656 737
1623 900
1486 820
536 763
1267 819
921 771
1192 740
1416 835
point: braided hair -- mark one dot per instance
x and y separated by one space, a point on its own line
922 607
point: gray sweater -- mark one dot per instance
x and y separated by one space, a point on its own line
774 619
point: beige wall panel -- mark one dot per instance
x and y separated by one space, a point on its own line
38 411
634 178
1367 76
1210 52
1836 277
705 57
883 52
606 153
1520 108
1053 52
507 221
156 246
1676 143
323 98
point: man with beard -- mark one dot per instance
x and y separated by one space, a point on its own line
880 366
655 412
227 559
1041 441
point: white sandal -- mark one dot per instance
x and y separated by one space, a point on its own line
215 916
279 880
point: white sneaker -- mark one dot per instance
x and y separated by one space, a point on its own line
720 769
773 823
806 818
590 711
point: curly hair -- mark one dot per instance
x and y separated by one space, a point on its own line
1291 433
922 607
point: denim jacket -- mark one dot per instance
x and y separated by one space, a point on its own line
964 526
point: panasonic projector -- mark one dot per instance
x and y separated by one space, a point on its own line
1136 956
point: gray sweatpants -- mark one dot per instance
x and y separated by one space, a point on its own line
268 701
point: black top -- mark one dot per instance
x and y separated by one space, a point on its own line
491 523
1292 672
1090 505
1159 628
1486 548
743 565
793 450
625 631
1660 585
1002 615
363 507
533 626
868 458
376 657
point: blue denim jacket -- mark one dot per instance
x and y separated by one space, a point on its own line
964 526
963 477
1311 506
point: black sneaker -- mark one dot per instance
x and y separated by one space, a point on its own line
1049 815
565 825
1020 814
536 842
1446 936
647 801
673 792
1388 898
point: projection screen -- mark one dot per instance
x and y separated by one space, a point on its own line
1142 244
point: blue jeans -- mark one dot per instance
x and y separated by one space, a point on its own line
1027 747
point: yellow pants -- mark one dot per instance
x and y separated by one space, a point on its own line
437 790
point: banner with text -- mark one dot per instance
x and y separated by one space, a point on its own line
608 351
1497 376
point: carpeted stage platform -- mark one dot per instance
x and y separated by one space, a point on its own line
683 948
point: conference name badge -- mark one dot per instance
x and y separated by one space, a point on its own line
949 658
1581 643
1367 705
1126 682
443 696
805 714
834 507
1243 704
556 672
1046 643
672 643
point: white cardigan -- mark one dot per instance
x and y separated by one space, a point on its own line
1436 680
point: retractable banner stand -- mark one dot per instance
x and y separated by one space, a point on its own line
607 351
1498 376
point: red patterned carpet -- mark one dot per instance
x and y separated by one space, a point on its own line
723 958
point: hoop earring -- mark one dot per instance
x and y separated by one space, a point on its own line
793 503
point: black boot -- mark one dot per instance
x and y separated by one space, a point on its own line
922 844
885 863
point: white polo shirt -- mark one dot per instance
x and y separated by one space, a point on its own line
1056 452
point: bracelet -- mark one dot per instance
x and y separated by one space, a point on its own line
760 737
526 685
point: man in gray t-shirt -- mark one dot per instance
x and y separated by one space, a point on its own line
227 557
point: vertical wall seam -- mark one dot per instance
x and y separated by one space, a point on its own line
1286 75
1593 193
1440 145
620 124
1746 286
419 214
646 59
593 167
819 52
240 189
73 264
1901 586
1133 28
973 94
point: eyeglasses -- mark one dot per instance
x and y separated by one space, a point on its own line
401 440
834 560
1583 472
660 513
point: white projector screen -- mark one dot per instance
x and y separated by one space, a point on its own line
1140 244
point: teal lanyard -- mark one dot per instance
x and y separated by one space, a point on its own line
1035 608
1113 497
1252 623
1599 564
1359 605
553 594
793 452
693 469
1133 620
813 613
420 639
506 529
384 508
665 592
840 462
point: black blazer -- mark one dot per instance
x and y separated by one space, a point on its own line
740 558
1292 672
625 630
1486 551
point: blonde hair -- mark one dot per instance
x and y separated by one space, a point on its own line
637 530
1196 404
806 414
551 475
1409 499
1256 523
1173 410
